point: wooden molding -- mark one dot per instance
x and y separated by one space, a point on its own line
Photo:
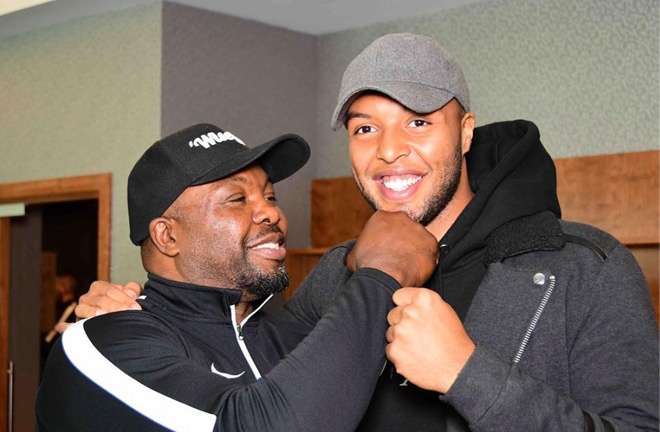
618 193
97 186
339 211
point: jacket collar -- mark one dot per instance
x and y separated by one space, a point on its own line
190 299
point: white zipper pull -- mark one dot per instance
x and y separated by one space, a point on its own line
239 330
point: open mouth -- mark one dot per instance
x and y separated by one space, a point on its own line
270 246
400 183
273 246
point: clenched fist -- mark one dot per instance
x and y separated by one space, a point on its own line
396 245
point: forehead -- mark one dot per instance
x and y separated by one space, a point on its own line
251 174
369 100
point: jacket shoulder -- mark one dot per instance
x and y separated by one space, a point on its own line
597 240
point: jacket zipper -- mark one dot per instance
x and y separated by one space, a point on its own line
238 331
535 319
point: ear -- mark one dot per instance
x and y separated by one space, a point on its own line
163 235
467 131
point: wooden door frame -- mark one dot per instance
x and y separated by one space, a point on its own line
99 187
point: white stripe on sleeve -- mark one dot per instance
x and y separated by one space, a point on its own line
148 402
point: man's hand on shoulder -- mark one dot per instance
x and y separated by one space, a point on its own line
104 297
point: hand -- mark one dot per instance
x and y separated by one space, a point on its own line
427 341
104 297
396 245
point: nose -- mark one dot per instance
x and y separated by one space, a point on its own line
392 146
266 212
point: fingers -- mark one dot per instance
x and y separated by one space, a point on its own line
105 297
404 296
132 289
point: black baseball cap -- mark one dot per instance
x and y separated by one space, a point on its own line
197 155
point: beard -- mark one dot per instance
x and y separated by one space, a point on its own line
256 281
260 283
445 190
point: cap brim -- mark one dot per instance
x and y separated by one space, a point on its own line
280 158
416 97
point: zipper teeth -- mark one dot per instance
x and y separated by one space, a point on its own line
241 343
535 320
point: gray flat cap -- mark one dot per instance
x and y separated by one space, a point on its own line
411 69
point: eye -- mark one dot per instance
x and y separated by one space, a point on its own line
271 198
236 199
418 123
364 130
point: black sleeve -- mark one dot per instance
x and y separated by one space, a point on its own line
325 384
316 293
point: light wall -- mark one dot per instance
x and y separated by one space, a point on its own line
89 95
84 98
254 80
586 72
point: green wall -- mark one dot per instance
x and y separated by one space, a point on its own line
586 72
84 98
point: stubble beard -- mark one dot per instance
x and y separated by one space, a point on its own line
256 281
260 283
433 206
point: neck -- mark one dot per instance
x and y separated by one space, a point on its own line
441 224
245 306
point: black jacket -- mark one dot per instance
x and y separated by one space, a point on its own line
185 364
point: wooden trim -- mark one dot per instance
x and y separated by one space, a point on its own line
97 186
4 318
338 211
299 263
618 193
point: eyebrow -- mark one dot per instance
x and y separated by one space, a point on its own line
353 114
236 178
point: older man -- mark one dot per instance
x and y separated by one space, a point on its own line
202 357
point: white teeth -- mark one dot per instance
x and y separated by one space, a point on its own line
398 184
267 246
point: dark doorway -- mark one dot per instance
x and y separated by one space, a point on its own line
68 267
21 276
70 230
50 241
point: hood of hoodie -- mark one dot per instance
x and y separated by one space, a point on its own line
512 176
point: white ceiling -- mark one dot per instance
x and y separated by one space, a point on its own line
315 17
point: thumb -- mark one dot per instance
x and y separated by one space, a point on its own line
132 289
404 296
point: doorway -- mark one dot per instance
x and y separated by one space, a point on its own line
63 212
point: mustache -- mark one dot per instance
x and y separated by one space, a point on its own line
264 231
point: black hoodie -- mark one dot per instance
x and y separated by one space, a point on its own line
514 183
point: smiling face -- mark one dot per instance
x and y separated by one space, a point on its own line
229 233
405 161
